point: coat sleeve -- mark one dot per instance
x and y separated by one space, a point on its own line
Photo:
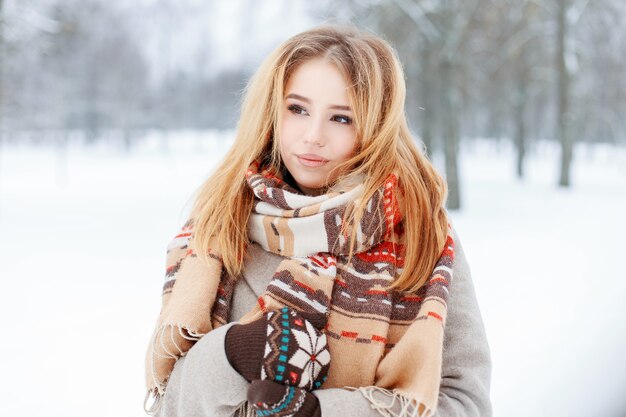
203 383
466 366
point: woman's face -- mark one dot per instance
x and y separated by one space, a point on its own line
316 129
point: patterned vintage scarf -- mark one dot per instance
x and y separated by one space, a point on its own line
385 341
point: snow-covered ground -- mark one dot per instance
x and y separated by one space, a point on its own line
82 243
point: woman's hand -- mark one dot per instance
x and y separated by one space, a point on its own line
283 346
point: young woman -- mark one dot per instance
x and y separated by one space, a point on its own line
315 275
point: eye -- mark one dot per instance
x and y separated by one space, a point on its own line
294 108
342 119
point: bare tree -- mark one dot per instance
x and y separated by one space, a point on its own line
522 50
2 60
474 68
564 133
445 27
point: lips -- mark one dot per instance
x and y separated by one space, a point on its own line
311 160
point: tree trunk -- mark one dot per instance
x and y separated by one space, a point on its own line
563 130
521 99
2 61
520 134
428 112
2 98
451 132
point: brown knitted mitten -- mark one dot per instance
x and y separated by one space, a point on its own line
283 346
269 398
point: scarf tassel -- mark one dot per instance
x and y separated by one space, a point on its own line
245 410
161 334
155 403
398 405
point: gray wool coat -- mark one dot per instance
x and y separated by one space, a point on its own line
204 384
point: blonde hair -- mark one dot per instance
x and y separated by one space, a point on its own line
377 92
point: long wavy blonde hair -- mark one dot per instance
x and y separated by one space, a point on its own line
377 92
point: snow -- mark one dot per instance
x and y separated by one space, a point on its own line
83 236
545 265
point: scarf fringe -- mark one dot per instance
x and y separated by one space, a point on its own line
160 335
157 391
245 410
156 403
407 407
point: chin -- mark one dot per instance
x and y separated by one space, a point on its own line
307 183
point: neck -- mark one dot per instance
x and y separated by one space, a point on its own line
289 179
312 191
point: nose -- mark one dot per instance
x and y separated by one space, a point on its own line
314 134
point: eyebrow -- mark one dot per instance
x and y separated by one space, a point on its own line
308 100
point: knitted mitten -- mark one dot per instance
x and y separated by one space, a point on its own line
268 398
283 346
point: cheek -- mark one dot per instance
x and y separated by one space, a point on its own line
345 146
288 135
282 143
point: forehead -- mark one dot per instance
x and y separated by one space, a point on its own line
320 81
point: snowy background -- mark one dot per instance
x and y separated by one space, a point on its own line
105 134
83 237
